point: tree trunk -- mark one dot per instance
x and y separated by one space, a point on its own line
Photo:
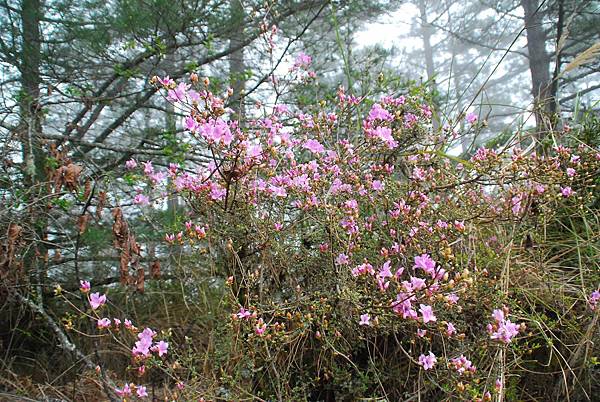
236 59
426 32
30 134
554 86
539 66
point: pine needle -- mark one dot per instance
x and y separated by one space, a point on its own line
584 57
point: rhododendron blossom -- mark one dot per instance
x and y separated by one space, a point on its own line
261 327
503 329
302 60
103 323
131 164
144 343
141 199
124 392
97 300
426 263
141 391
427 361
427 313
379 113
161 348
85 286
314 146
566 191
462 365
450 329
594 299
471 118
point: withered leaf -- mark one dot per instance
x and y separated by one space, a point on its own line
155 269
82 223
140 280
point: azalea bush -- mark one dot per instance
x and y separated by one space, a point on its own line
351 254
358 258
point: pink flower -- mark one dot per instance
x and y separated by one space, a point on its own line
191 124
157 177
471 118
498 315
410 120
594 299
141 391
417 283
281 109
421 332
244 314
566 191
365 319
418 174
148 168
462 364
516 204
97 300
84 286
142 346
314 146
426 263
342 259
117 322
253 151
385 271
452 298
450 329
571 172
260 327
302 60
399 272
379 113
427 361
161 347
166 81
130 164
178 93
125 391
384 134
103 323
180 385
498 385
377 185
216 131
427 313
503 329
141 199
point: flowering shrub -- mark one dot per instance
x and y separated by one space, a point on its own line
360 258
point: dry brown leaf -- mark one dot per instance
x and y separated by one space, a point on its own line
101 204
87 189
140 280
155 269
82 223
71 176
